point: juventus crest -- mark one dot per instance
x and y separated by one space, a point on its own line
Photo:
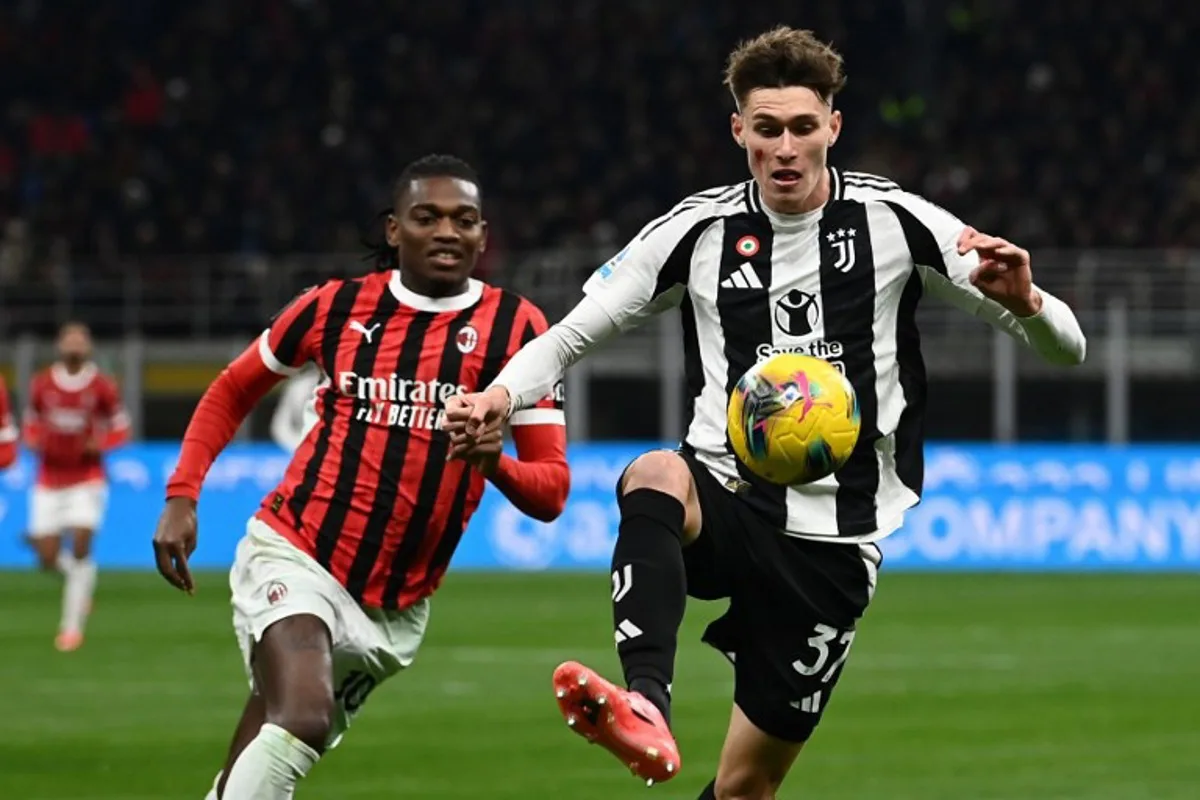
842 241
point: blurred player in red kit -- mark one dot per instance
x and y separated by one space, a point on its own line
8 429
73 416
331 583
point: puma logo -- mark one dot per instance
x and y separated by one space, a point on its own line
367 333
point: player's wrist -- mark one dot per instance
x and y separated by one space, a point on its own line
180 497
1029 306
490 466
503 399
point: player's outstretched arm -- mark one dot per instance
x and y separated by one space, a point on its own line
529 375
988 277
648 276
218 415
281 351
1004 275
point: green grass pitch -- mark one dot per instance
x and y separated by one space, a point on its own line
983 687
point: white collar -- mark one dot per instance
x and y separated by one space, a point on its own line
72 383
420 302
788 220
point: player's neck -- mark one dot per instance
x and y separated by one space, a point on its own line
73 367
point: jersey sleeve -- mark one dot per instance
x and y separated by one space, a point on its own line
932 235
110 409
650 274
8 427
289 340
549 409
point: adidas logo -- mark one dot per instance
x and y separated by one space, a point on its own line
809 705
744 278
626 630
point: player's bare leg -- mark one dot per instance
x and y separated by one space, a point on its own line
253 717
293 669
660 515
79 586
50 555
753 763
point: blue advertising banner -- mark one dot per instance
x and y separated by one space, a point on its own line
986 507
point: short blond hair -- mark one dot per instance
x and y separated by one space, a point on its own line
783 57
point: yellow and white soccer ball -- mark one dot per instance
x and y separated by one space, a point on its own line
793 419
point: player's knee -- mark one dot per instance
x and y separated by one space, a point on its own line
746 784
82 545
292 662
47 555
660 470
311 723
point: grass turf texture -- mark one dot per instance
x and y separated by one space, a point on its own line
998 686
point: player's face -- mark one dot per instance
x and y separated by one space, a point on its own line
439 232
787 134
74 346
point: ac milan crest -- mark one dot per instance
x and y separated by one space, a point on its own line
276 591
466 339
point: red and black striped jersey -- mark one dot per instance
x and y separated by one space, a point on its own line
369 493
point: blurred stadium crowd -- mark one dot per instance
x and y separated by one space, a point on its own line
135 127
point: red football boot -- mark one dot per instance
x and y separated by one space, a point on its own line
624 723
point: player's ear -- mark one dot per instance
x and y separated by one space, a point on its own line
391 230
738 128
483 230
835 127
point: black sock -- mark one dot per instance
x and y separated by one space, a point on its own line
649 592
710 792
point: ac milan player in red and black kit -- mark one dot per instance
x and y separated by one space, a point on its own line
8 429
73 416
332 580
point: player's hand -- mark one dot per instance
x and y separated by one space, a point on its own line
92 447
484 454
175 541
470 416
1004 273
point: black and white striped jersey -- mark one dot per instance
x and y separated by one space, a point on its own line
841 283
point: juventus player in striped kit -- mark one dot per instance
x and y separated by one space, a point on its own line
801 258
331 583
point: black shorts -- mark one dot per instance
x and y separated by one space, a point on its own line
794 604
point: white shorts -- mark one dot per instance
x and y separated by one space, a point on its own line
271 579
55 511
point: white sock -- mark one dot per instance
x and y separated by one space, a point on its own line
77 595
269 766
66 561
212 793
